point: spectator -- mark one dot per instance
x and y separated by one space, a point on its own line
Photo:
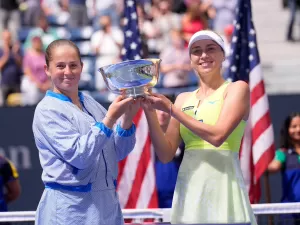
228 32
32 10
10 187
164 20
78 13
179 6
10 66
225 13
293 7
175 65
106 44
56 11
209 11
166 173
287 160
105 8
193 19
10 17
42 30
35 82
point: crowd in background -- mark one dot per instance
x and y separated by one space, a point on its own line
28 26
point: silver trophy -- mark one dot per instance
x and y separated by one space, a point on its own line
133 78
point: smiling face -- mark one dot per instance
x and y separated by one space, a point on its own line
64 68
294 129
206 57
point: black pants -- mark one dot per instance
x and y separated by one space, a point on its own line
292 4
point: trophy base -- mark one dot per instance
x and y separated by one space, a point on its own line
136 92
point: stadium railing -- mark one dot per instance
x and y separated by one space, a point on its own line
163 215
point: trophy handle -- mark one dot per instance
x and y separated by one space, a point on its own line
156 63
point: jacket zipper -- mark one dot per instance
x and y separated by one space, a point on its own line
105 168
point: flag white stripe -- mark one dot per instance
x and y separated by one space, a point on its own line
255 76
259 109
262 143
148 186
132 161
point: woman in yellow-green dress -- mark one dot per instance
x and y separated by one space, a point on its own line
211 122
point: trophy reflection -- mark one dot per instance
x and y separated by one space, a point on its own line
132 78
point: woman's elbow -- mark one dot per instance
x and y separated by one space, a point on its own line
274 166
217 141
165 158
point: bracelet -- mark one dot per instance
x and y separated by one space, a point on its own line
171 109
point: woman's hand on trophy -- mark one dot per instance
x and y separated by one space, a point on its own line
146 105
116 109
129 114
156 101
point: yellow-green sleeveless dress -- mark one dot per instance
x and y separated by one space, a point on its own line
210 186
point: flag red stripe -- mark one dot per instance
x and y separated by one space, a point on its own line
263 162
141 171
257 92
262 124
122 163
154 199
255 193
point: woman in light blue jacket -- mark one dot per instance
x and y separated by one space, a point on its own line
79 145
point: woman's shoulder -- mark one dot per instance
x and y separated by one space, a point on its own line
239 87
239 84
281 149
52 105
183 97
280 155
282 152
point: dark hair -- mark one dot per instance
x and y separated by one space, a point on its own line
58 43
285 140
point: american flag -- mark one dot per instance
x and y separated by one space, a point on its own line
257 148
136 180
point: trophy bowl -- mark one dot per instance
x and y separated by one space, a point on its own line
133 78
